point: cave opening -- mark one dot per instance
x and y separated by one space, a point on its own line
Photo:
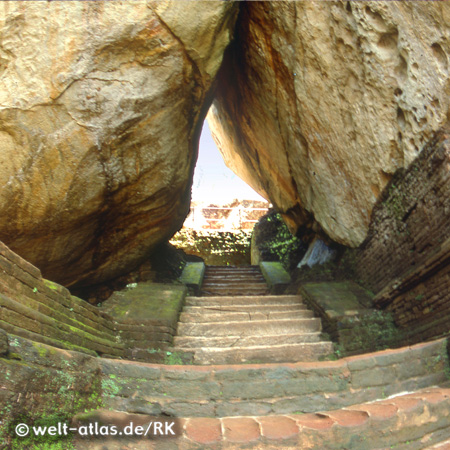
223 211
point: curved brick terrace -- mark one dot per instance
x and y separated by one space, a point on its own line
420 420
267 389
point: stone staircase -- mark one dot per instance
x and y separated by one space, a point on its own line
237 321
233 280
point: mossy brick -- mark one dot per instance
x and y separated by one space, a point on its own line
412 369
15 271
4 346
46 355
338 296
190 390
281 373
251 390
186 374
243 408
300 404
155 302
314 384
133 405
357 363
374 377
62 315
192 275
44 339
142 334
235 374
62 335
130 370
276 276
16 259
191 409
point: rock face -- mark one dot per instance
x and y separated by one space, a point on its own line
321 102
101 104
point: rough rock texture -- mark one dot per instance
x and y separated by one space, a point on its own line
321 102
101 104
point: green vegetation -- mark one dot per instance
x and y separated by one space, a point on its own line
215 247
173 358
276 243
372 331
59 392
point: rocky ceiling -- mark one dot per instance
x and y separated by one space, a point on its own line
317 105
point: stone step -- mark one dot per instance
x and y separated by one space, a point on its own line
231 268
419 420
443 445
251 272
242 292
244 308
233 285
276 388
207 316
188 342
254 328
306 351
244 300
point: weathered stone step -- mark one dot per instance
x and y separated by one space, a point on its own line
307 351
207 316
254 328
444 445
236 275
188 342
234 285
419 420
237 292
265 389
244 300
245 308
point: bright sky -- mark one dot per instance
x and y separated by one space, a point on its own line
213 181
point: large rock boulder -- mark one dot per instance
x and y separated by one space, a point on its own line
101 104
321 102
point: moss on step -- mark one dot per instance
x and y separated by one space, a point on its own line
349 318
275 275
192 276
152 303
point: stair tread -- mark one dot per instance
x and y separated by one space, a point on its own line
250 316
188 342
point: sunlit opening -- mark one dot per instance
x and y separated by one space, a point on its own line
220 199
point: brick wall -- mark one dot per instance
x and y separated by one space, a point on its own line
266 389
405 259
42 311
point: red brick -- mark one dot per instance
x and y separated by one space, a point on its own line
241 429
377 411
405 403
315 421
349 418
433 397
204 430
278 427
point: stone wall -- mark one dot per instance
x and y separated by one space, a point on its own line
44 385
265 389
131 323
405 259
42 311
